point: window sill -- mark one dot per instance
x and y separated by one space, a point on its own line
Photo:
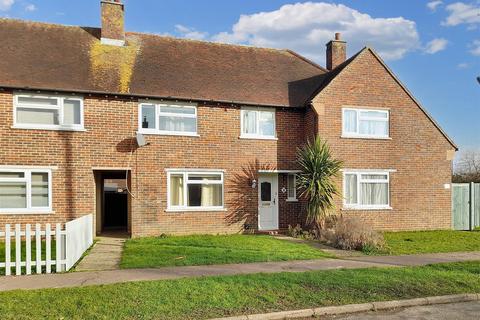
170 134
25 212
291 200
366 208
257 138
364 137
48 128
196 210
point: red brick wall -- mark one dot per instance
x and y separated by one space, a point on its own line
417 149
110 125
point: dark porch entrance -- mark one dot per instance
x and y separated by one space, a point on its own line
113 202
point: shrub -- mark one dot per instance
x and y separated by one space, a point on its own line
351 233
298 232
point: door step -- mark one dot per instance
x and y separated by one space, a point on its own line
269 232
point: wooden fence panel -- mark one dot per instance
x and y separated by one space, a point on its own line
461 206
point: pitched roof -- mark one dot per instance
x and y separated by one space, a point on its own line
328 77
68 58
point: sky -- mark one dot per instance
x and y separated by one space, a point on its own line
432 46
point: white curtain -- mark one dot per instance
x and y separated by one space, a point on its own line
176 190
350 121
374 193
178 124
249 122
351 189
373 127
211 195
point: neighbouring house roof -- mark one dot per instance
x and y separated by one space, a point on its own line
68 58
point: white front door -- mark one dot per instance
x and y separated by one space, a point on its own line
268 202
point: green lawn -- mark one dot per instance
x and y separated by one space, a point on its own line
207 297
432 241
209 249
23 254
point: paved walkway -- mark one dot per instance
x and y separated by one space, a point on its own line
76 279
105 254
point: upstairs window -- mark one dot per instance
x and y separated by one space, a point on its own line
366 190
25 191
258 123
167 118
365 123
48 112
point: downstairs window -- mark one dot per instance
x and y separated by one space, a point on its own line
366 190
195 190
25 191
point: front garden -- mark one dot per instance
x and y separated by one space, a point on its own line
209 249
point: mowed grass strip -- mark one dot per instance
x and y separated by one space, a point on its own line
432 241
211 249
207 297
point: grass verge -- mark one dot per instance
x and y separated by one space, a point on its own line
431 241
209 249
207 297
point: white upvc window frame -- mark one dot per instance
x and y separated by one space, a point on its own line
157 106
257 135
357 134
185 173
28 180
359 173
60 107
294 198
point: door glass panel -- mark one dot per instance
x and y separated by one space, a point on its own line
266 191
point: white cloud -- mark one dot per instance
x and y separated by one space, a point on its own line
5 5
475 48
433 5
30 8
436 45
462 65
306 27
190 33
462 13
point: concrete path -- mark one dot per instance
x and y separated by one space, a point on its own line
76 279
105 254
460 311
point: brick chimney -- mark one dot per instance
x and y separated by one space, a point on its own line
336 52
113 32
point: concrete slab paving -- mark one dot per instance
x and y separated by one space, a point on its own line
105 254
76 279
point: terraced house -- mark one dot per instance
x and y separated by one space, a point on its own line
156 135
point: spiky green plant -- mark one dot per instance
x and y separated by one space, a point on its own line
316 181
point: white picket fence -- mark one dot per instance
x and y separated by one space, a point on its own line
70 244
